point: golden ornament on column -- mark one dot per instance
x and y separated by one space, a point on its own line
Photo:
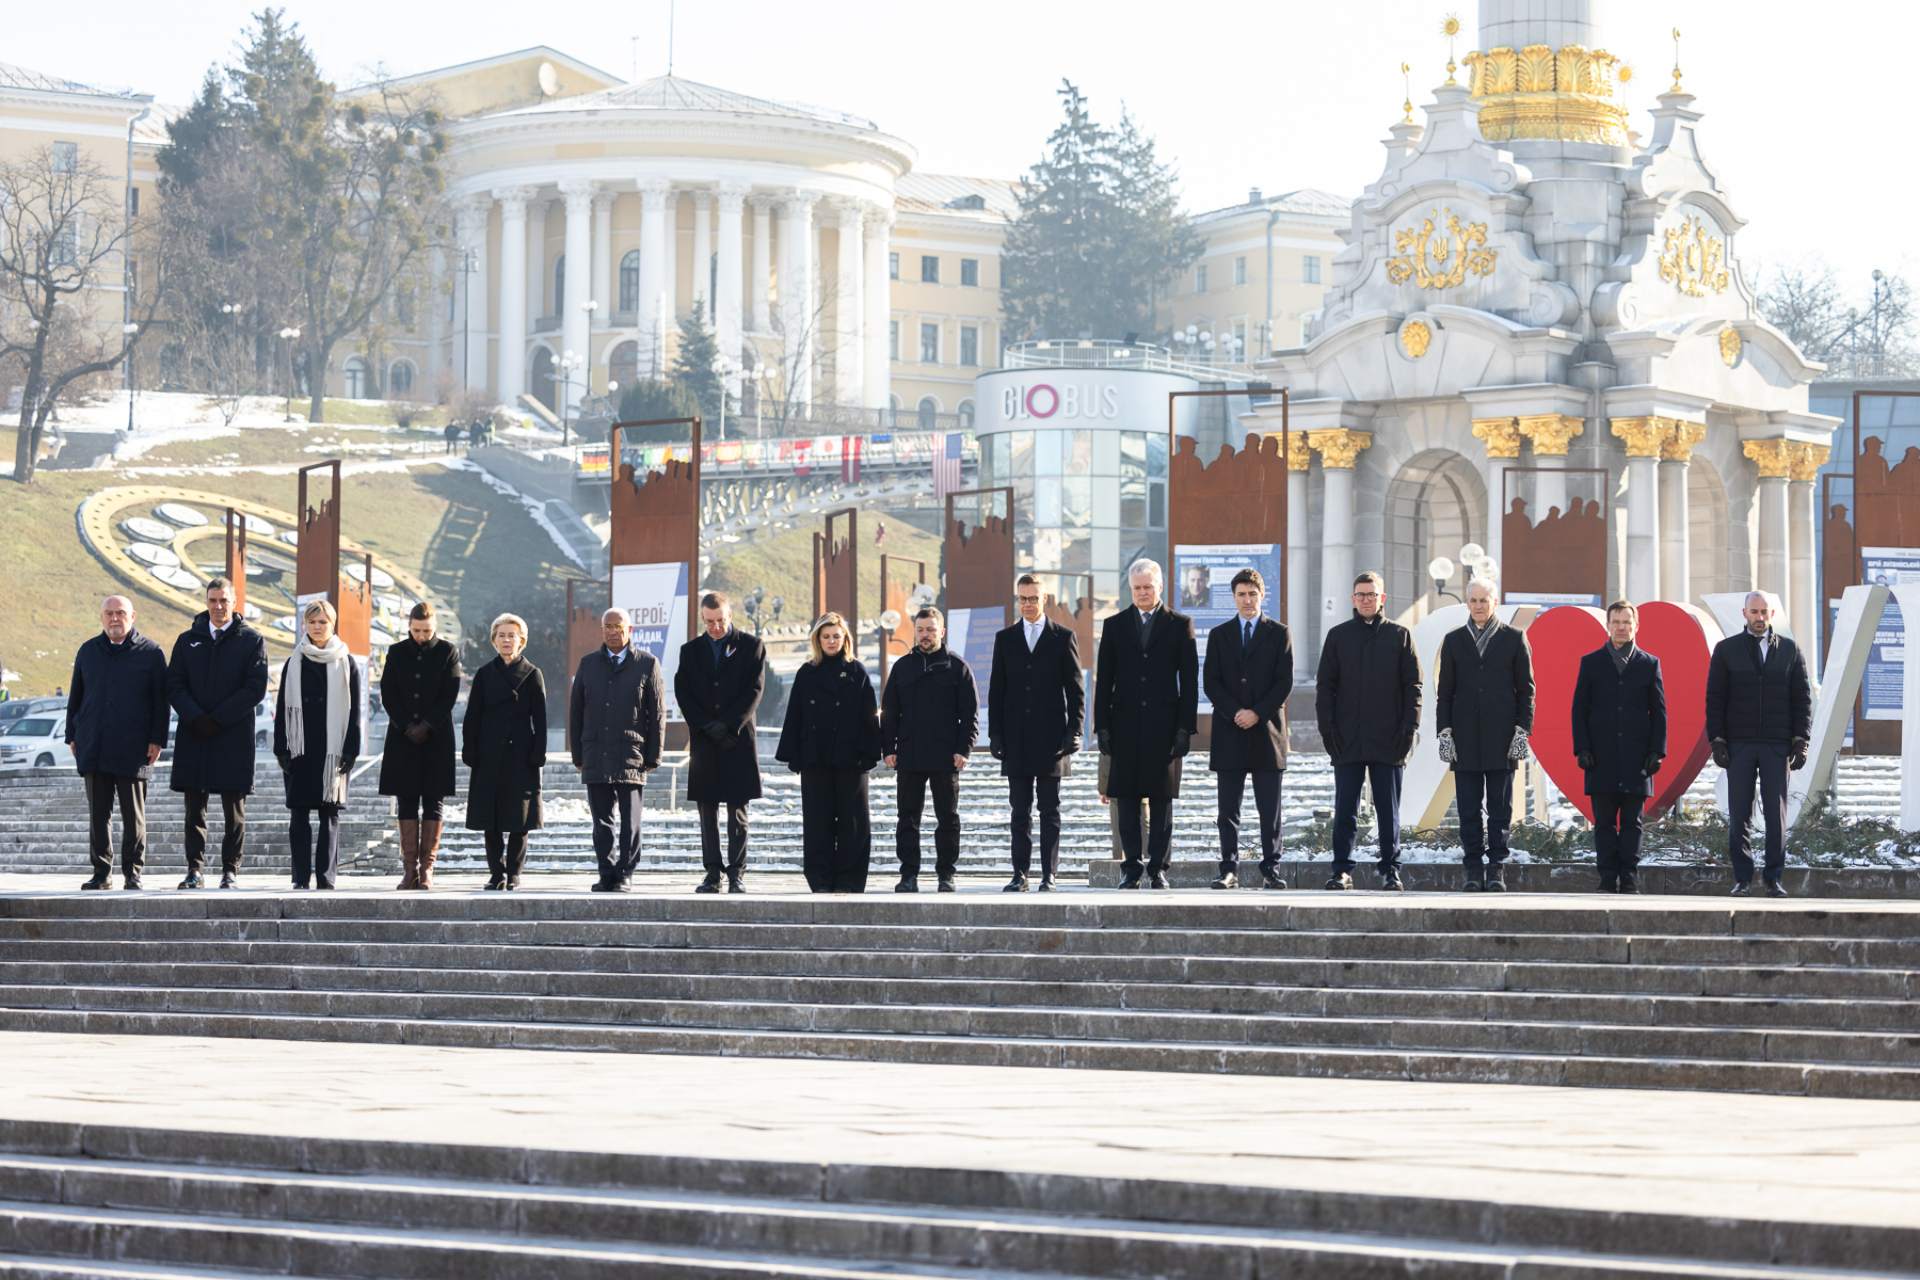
1339 447
1644 437
1545 93
1680 439
1299 454
1500 435
1806 460
1773 458
1415 338
1551 433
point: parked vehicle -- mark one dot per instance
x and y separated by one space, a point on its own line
36 742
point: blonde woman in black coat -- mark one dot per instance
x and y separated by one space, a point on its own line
831 738
503 741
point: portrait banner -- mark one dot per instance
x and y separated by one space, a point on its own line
1202 586
1882 693
970 633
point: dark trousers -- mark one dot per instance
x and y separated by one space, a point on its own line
836 831
1022 790
736 863
1765 762
914 786
1485 801
1266 802
1385 781
604 798
421 808
1158 829
506 853
313 860
103 790
233 810
1616 833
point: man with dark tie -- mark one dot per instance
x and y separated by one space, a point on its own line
721 676
1248 675
1146 697
1034 704
1760 721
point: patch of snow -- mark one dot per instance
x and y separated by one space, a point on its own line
535 509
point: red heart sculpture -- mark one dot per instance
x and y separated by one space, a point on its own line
1681 636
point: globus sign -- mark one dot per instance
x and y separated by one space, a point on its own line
1020 401
1057 399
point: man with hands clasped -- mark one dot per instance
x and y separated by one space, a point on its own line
1759 720
1483 711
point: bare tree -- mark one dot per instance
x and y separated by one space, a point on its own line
1805 301
63 237
780 383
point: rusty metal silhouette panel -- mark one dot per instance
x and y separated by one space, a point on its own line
234 561
895 595
836 570
1559 551
317 556
977 560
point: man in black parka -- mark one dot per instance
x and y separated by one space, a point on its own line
1035 701
929 717
215 678
117 727
1483 712
1367 700
1620 740
1248 675
1759 721
721 676
617 725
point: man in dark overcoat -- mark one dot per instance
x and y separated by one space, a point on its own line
215 678
117 727
1760 722
1619 739
1146 700
718 685
1483 712
1367 700
929 718
617 725
1247 676
1035 701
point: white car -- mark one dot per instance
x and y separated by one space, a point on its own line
36 742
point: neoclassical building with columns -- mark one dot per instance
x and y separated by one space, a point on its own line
1534 301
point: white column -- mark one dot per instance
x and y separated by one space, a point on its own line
574 331
1676 537
1336 546
603 289
513 298
1805 609
470 317
701 289
796 294
762 264
653 249
537 274
728 283
670 264
1642 573
1299 606
1771 510
877 294
849 330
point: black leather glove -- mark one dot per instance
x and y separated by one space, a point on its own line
418 732
715 731
1068 745
1105 740
1584 760
1722 753
205 726
1182 742
346 766
994 749
1650 766
285 761
1797 754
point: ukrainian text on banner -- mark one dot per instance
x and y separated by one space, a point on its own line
655 598
1202 586
1881 695
970 634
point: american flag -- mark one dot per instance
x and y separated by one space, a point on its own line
946 465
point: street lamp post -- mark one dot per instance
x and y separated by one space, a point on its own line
569 361
127 332
289 336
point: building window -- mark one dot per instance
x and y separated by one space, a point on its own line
630 281
966 414
893 339
970 272
929 413
1240 270
358 387
1310 269
560 285
929 344
969 346
133 201
400 378
1200 278
893 266
403 306
929 268
66 155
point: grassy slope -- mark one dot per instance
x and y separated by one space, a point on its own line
782 562
260 446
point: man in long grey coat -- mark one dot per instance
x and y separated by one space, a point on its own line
617 724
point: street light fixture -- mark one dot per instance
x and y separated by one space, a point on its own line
568 363
1440 569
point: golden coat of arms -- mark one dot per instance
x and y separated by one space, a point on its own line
1415 338
1441 252
1694 262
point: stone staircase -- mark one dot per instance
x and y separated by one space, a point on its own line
96 1201
1759 997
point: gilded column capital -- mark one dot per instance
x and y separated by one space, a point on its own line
1500 435
1773 458
1644 437
1339 447
1680 439
1551 433
1807 461
1299 453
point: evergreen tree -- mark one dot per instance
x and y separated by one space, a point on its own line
650 399
693 365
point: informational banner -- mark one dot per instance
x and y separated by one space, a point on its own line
1202 587
1548 599
655 598
1881 695
970 634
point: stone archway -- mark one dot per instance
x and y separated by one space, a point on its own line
1436 502
1710 550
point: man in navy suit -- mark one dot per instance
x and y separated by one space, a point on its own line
1247 677
1619 739
1035 700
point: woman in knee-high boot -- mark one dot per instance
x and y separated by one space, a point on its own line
503 741
418 686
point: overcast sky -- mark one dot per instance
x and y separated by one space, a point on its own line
1804 104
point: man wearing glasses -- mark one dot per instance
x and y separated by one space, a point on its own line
1034 704
1367 701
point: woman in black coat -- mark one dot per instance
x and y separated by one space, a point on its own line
316 739
418 687
503 741
831 738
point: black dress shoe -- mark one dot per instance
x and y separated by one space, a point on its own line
947 885
228 880
1629 883
603 886
513 882
908 884
98 882
133 883
1016 885
297 885
1775 889
1741 888
1339 880
1226 880
1476 877
1129 880
710 885
1496 879
497 882
192 881
1609 885
1158 880
1046 884
737 884
623 885
1271 880
1390 880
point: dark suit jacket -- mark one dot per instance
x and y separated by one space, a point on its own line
726 693
1258 681
1143 695
1035 701
1484 699
1619 719
1748 702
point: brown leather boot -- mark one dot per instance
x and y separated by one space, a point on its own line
409 853
429 849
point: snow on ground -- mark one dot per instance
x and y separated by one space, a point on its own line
534 508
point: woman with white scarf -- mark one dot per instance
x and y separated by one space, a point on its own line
316 738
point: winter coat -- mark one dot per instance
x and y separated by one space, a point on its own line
1750 703
1036 701
302 775
830 720
1258 681
930 711
419 685
1619 719
1145 697
618 718
225 679
503 742
724 692
1483 700
1367 695
117 705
